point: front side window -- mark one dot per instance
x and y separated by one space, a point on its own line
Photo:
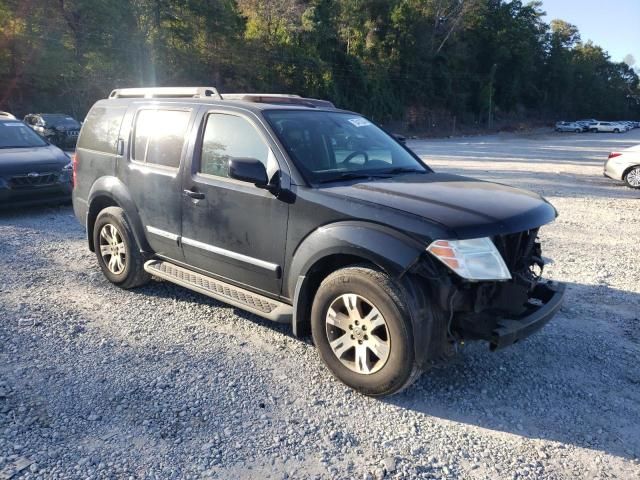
159 136
15 134
329 146
230 136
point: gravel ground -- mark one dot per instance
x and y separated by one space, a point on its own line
160 382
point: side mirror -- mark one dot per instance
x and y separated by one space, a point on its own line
249 170
401 138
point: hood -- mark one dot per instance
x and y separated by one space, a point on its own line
15 161
469 208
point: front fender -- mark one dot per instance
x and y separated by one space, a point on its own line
113 189
392 251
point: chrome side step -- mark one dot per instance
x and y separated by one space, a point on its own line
225 292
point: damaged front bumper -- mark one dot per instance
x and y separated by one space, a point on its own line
544 302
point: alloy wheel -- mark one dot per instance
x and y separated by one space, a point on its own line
358 334
633 178
112 249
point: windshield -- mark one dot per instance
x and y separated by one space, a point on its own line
329 146
57 120
16 134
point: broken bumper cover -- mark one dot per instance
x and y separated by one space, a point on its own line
548 298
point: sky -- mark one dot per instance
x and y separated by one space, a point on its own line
612 24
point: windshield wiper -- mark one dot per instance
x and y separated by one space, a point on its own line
354 176
393 171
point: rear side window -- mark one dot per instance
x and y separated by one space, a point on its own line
159 136
101 128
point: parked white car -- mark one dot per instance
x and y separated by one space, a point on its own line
568 127
607 127
624 165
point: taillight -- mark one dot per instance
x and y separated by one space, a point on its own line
74 162
614 154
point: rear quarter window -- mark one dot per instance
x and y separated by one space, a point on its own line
101 128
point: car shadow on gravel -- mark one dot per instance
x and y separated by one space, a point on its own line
165 289
576 382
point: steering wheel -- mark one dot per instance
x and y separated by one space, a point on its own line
352 155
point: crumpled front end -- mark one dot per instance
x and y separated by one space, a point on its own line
500 312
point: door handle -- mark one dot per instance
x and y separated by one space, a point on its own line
194 195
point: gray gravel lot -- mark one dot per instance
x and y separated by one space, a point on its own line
96 382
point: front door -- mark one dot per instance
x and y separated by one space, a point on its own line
233 229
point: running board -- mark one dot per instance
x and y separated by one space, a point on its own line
225 292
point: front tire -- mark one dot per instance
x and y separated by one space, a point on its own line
632 177
362 330
116 248
616 130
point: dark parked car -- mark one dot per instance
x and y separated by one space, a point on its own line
32 171
59 129
315 217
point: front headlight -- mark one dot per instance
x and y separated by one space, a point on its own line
473 259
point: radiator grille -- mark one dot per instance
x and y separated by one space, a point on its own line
33 180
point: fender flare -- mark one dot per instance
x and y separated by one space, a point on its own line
388 249
392 251
113 189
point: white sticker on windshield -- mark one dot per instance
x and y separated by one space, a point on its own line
360 122
12 124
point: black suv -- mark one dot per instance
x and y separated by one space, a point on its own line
58 128
312 216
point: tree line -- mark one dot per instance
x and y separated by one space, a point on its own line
424 63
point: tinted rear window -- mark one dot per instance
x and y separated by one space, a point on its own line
159 136
101 128
60 120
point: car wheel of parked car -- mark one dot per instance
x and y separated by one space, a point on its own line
362 329
616 130
577 130
118 254
632 177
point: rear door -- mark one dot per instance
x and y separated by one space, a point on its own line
233 229
157 142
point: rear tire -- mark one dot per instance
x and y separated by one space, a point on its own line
616 130
632 177
118 253
362 330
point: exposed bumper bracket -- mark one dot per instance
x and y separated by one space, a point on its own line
508 331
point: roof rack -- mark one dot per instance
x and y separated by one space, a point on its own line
279 99
165 92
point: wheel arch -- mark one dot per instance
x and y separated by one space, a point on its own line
627 170
339 245
111 192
